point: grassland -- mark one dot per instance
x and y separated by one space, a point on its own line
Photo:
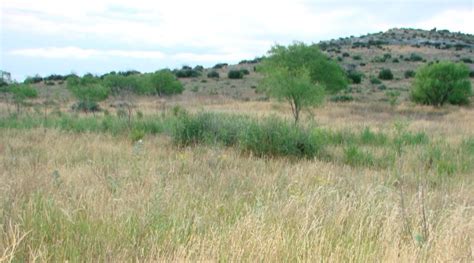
392 184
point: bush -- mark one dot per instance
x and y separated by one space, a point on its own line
395 60
163 82
409 74
235 74
374 80
443 82
467 60
220 65
273 137
213 74
386 74
345 54
354 156
341 98
187 72
355 77
86 106
269 137
415 57
356 57
471 74
245 71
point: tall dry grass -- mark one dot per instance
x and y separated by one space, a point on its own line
98 197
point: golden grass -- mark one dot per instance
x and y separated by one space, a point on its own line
95 197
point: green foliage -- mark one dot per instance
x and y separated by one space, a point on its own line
355 77
245 71
220 65
467 60
117 83
356 57
440 83
86 106
393 97
273 137
295 87
269 137
354 156
88 90
235 74
341 98
137 134
375 80
187 72
213 74
415 57
409 74
32 80
385 74
299 57
20 93
163 82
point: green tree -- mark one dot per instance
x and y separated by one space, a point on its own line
295 87
88 90
301 75
443 82
20 93
164 82
298 56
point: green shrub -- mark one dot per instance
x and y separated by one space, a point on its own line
356 57
269 137
220 65
273 137
341 98
235 74
245 71
440 83
386 74
369 137
415 57
409 74
213 74
86 106
354 156
163 82
345 54
355 77
395 60
374 80
137 135
467 60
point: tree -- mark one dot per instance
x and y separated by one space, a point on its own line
443 82
88 90
298 56
301 75
164 82
20 93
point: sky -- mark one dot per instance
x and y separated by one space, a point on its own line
98 36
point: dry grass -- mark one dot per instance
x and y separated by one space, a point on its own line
95 197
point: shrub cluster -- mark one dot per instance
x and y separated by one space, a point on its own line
269 137
355 77
440 83
235 74
409 74
213 74
386 74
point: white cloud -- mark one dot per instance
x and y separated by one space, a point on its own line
80 53
454 20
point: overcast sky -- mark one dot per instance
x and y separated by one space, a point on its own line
98 36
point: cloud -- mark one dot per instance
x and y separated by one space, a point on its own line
454 20
81 53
